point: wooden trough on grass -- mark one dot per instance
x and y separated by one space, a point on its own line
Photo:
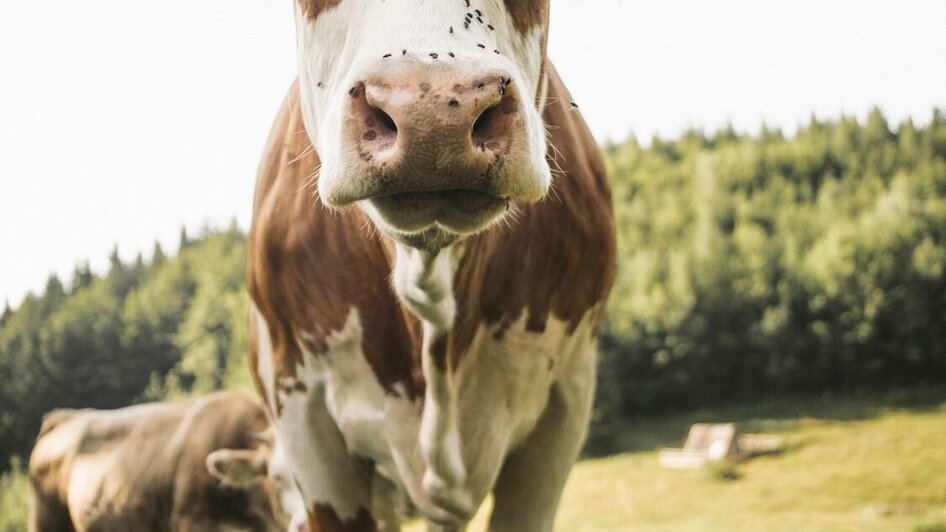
707 443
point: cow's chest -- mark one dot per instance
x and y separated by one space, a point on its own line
502 385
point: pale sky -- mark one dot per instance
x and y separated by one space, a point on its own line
122 120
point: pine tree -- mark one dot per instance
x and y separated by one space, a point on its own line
7 312
157 255
185 242
81 276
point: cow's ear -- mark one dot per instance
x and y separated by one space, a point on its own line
236 467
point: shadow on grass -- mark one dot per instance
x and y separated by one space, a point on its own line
652 432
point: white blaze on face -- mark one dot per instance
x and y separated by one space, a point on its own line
349 42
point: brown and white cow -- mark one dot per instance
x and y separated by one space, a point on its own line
200 465
430 315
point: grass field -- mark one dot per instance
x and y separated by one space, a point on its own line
849 465
14 499
872 464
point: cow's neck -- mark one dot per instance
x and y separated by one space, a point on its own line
424 282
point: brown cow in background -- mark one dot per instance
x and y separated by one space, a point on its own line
199 465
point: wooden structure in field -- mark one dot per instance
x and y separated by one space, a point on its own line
705 443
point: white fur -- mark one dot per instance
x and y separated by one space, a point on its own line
424 282
280 474
317 452
264 359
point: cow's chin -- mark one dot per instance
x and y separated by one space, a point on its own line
434 220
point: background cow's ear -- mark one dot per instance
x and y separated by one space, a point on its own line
236 467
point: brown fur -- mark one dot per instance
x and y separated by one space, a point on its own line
527 14
557 258
322 518
308 265
313 8
155 485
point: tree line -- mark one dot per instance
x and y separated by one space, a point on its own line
755 266
749 266
145 330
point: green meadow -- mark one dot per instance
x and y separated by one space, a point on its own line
847 465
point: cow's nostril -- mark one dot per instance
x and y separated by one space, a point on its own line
484 123
492 130
373 125
384 119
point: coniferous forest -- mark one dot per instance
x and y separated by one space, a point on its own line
749 267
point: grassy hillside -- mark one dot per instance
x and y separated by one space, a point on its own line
848 465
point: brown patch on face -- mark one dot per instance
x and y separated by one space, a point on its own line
313 8
308 267
527 14
322 518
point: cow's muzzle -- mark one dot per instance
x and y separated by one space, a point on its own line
436 149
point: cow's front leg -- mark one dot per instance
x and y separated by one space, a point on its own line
531 481
335 486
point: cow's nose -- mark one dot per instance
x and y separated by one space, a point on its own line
454 127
